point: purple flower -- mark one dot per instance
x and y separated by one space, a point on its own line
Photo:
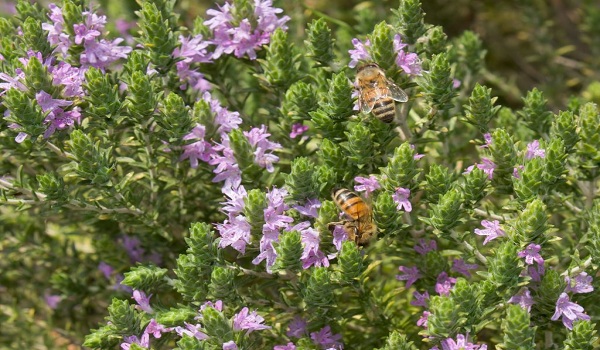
250 322
532 254
417 156
12 83
199 150
420 299
516 171
257 137
401 198
311 239
60 120
444 283
408 61
275 221
235 202
583 284
144 341
191 331
106 269
217 305
460 266
101 54
339 236
289 346
423 247
235 232
191 77
359 53
243 39
487 166
456 83
132 246
143 301
83 33
487 137
56 36
326 339
48 103
70 77
297 328
297 130
193 50
422 321
227 168
569 311
367 185
492 230
225 119
523 298
52 300
411 275
533 150
230 345
461 343
310 208
156 329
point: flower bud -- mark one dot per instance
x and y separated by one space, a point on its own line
301 182
320 42
400 170
410 20
222 284
289 252
438 181
318 292
505 156
564 126
481 109
360 148
386 214
92 161
536 113
504 269
351 262
102 95
148 278
518 334
254 207
437 85
583 336
279 66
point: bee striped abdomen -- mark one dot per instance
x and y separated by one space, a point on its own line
385 110
351 203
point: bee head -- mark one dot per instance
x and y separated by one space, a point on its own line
367 65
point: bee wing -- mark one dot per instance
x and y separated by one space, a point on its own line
396 92
364 103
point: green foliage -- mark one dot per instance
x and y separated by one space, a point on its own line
320 42
410 20
481 109
518 333
583 336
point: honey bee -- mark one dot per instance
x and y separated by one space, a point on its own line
361 227
377 93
